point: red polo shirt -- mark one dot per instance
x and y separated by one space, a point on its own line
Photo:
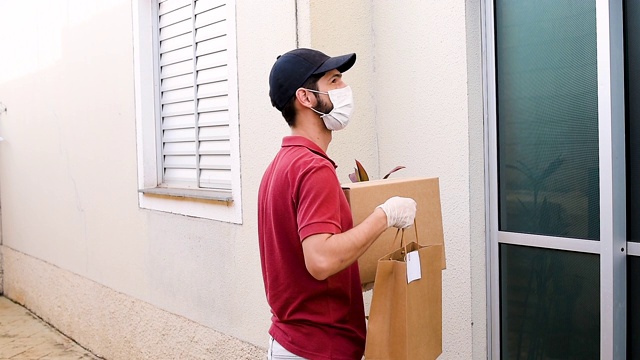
299 196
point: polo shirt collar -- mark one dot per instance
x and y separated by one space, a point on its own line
290 141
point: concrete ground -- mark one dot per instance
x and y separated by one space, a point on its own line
24 336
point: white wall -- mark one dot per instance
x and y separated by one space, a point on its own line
343 31
69 170
476 159
417 82
424 123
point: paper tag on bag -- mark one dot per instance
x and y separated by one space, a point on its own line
413 266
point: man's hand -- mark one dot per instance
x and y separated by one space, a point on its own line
400 211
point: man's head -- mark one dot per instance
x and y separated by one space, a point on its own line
301 68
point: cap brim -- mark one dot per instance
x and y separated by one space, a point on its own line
341 63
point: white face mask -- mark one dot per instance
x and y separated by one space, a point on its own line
342 100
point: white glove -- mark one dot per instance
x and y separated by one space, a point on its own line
400 211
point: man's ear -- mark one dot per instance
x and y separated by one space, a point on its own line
306 98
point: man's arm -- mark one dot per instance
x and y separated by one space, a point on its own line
327 254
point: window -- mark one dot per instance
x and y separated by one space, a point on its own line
547 118
186 107
547 140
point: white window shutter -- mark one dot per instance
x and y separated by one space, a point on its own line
194 93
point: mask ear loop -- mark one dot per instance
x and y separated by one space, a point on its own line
315 92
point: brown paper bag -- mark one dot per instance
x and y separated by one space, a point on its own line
405 319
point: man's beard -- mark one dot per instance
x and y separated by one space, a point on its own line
323 106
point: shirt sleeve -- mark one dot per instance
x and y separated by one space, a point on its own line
318 203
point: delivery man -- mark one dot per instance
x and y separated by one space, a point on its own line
308 244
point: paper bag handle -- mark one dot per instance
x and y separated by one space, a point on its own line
402 244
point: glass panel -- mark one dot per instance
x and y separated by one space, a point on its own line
633 307
632 74
547 109
549 304
632 60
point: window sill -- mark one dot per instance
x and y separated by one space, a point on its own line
216 195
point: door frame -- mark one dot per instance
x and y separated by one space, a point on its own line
612 247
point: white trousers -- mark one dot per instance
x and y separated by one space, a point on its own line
277 352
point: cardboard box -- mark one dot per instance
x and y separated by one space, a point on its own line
363 198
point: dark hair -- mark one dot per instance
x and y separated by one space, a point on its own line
289 110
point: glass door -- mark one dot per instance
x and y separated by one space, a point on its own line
632 91
554 112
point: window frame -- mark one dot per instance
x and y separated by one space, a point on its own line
152 194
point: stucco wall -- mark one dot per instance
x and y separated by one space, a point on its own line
343 31
426 128
418 89
69 189
1 258
111 324
477 239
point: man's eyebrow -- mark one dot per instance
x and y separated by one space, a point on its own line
338 75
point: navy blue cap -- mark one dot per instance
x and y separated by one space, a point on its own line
293 68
